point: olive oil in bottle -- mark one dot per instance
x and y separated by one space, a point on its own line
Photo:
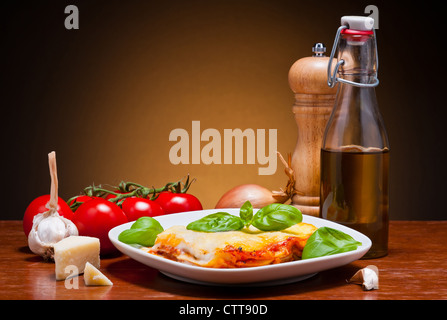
354 192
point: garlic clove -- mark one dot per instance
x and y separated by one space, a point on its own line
367 277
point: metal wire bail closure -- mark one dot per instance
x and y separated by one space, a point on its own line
332 78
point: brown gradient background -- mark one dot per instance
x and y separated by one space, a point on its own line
105 97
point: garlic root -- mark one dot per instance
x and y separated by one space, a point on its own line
50 227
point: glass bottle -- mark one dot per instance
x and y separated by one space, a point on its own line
355 149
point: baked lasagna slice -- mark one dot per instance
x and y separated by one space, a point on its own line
232 249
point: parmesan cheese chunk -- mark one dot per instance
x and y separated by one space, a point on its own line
72 253
94 277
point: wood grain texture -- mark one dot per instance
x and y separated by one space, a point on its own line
415 268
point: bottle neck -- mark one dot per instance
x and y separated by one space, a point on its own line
355 121
355 118
353 100
359 58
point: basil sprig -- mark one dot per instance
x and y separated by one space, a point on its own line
273 217
143 232
326 241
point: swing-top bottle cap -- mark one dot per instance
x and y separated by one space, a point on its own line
354 31
357 25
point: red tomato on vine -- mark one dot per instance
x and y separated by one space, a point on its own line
95 218
135 208
178 202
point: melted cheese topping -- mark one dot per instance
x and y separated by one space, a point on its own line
232 249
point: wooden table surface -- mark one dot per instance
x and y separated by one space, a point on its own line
415 268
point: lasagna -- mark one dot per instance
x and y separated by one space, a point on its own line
232 249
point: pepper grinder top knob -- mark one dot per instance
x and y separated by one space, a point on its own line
319 49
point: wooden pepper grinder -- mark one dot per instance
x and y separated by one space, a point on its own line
314 101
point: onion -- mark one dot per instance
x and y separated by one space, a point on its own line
259 196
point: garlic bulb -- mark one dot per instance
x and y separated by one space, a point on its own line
49 227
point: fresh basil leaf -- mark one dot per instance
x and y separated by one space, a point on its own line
326 241
276 216
246 213
144 237
216 222
146 223
143 232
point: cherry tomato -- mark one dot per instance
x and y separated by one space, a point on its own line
38 205
178 202
95 218
135 208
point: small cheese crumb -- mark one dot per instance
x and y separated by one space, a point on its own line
72 253
94 277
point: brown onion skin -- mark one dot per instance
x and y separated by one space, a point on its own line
259 197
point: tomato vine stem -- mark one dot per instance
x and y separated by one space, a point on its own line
130 189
